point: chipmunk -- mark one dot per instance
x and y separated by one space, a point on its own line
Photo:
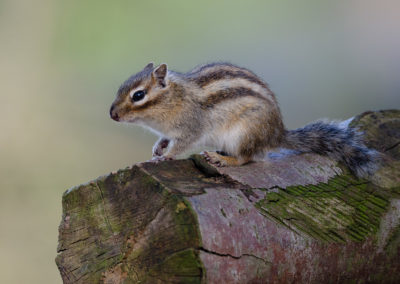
229 108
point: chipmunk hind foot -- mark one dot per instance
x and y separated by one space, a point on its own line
223 160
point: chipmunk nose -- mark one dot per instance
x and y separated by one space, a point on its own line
113 114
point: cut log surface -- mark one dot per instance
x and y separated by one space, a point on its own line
291 218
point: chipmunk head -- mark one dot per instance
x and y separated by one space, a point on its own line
137 96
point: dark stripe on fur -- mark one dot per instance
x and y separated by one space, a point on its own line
341 144
203 81
149 103
134 81
228 94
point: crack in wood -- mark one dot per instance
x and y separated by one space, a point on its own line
233 256
392 147
104 208
80 240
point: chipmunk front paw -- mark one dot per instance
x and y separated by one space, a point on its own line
160 146
157 159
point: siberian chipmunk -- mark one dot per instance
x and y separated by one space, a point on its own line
228 108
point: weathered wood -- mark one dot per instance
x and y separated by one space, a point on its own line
290 218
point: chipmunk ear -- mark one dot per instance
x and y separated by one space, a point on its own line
149 66
160 73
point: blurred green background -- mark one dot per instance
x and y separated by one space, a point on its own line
61 63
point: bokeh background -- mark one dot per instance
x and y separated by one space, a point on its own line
61 63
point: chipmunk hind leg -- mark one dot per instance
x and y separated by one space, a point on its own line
234 152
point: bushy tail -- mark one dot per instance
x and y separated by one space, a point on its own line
336 141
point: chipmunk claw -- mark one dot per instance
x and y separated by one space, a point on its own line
213 158
158 159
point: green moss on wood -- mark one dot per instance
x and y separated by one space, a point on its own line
343 209
181 267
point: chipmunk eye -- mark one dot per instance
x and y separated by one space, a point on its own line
138 95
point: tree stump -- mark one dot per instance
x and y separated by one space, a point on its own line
291 218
